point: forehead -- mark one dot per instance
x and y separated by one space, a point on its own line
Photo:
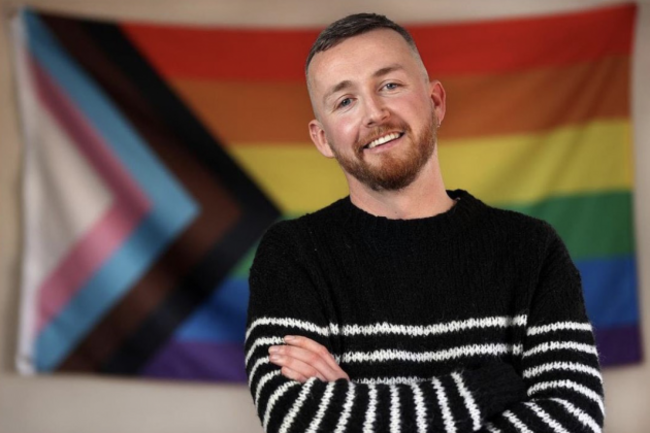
359 57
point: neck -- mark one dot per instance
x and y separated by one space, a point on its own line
424 197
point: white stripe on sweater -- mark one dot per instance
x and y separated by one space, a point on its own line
567 366
297 405
390 328
347 408
372 407
544 416
561 345
263 382
429 330
559 326
447 417
257 365
277 394
264 341
322 407
491 428
519 425
395 421
420 408
384 355
397 380
568 384
470 404
580 415
288 322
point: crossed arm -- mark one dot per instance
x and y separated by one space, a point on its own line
302 359
303 389
283 301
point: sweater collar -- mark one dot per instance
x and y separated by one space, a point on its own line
445 224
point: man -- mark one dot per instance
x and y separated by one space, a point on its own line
405 307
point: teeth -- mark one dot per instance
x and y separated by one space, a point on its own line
384 139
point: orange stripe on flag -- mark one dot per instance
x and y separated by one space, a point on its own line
537 100
490 46
249 111
482 105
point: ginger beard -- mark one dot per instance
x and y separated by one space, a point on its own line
395 169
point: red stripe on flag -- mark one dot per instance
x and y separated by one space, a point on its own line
468 48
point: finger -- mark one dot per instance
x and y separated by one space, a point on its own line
312 359
297 366
293 375
311 345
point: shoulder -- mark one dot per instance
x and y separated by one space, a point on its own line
534 245
500 221
519 224
294 236
334 213
519 231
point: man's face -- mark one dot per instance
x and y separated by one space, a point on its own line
377 112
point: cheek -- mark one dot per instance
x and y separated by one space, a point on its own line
342 131
417 111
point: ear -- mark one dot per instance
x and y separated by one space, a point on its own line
317 134
439 99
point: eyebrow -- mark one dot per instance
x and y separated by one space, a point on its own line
347 83
340 86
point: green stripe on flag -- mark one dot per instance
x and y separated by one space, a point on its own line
594 225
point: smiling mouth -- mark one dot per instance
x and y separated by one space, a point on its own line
383 140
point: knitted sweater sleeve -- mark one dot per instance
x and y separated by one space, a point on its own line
559 357
283 301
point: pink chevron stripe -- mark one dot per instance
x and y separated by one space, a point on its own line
96 246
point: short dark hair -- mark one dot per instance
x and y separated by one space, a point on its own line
354 25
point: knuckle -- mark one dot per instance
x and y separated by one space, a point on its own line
313 358
322 351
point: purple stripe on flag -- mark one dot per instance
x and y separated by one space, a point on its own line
193 360
129 207
619 346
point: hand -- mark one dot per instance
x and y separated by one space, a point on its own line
302 358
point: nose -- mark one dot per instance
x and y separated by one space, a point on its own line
376 110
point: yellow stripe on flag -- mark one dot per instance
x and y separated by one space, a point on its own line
295 176
507 169
527 168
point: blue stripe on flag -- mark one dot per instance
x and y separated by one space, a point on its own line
172 208
222 319
610 291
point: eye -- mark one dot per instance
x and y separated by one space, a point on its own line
344 103
391 86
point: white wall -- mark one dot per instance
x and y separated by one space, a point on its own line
84 404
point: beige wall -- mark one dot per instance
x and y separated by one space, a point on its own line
87 404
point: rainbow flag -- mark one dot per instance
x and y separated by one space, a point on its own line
157 155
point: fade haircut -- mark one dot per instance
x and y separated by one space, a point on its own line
354 25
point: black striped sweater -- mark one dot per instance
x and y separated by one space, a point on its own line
471 320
